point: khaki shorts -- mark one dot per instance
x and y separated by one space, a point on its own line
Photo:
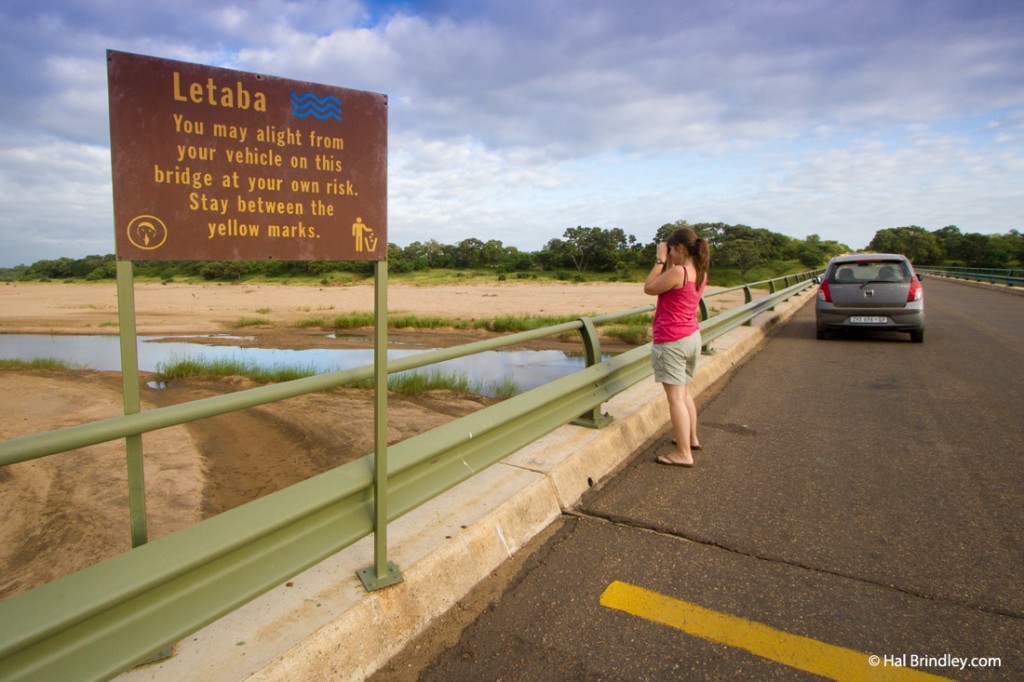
676 361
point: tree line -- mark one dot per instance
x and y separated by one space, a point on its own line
597 249
579 249
950 246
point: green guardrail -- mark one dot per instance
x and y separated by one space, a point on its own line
1008 276
108 617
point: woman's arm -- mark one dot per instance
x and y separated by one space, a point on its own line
662 277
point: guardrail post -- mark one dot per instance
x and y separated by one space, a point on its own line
593 418
748 296
706 348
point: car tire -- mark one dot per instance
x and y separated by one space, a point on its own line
822 334
917 337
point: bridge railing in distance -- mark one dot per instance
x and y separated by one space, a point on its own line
108 617
1008 276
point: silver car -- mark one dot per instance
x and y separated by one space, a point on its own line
870 291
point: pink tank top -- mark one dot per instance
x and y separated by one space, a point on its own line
675 314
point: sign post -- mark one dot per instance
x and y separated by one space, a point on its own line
132 400
383 572
216 164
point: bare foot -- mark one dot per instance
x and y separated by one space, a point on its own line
677 460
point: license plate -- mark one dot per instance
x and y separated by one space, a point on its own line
869 320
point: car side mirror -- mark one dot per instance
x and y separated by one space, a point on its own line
817 279
920 277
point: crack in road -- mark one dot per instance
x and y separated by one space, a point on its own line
708 542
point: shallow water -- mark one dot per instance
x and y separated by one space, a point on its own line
528 369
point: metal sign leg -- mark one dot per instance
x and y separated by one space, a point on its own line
383 572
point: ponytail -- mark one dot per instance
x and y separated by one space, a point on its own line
701 254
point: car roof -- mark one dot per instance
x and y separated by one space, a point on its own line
856 257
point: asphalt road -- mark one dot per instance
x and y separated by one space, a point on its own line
855 497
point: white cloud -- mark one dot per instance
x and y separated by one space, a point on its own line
54 201
516 120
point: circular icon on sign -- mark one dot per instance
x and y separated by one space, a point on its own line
147 232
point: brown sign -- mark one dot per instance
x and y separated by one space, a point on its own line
214 164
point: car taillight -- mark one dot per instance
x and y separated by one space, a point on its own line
916 291
823 293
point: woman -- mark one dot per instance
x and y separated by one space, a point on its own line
678 279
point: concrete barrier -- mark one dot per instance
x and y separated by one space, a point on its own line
322 624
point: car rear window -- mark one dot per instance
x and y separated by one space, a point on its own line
860 272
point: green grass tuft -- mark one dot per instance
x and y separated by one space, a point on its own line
636 334
252 322
353 321
414 383
38 363
522 323
310 322
185 368
503 389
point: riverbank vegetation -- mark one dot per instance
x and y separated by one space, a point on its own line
740 254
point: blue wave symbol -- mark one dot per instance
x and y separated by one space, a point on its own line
309 104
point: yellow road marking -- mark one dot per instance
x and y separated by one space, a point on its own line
802 653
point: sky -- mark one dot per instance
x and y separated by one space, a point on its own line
517 120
